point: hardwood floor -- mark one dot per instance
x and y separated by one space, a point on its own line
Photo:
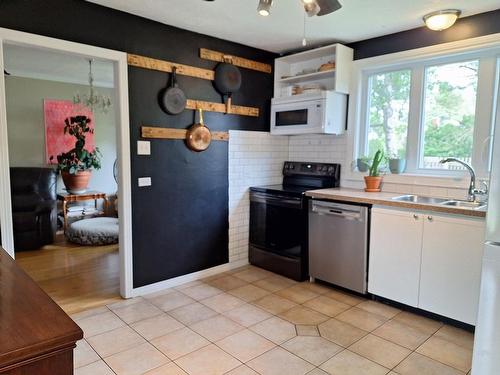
76 277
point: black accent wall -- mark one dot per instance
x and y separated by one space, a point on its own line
467 27
180 223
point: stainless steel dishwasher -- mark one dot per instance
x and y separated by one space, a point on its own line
338 244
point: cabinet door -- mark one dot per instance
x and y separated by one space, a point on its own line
452 254
395 250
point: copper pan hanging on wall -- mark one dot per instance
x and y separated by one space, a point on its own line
198 136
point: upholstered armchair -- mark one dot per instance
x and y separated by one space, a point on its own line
34 206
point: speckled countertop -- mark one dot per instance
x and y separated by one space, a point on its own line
386 199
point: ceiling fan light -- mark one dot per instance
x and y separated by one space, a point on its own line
441 19
264 7
312 8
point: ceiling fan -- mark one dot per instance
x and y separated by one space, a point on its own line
311 7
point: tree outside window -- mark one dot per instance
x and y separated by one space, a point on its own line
449 113
389 100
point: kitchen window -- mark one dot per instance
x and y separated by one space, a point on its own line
388 109
449 114
429 110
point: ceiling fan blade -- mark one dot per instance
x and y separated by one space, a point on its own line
328 6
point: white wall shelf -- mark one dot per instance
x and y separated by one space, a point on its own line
309 77
292 66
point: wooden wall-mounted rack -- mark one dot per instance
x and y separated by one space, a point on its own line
173 133
208 54
187 70
222 108
166 66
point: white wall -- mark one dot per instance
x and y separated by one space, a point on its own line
317 148
26 127
255 158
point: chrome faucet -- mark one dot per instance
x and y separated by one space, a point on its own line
473 191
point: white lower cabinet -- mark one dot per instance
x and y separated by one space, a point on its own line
450 276
395 250
428 261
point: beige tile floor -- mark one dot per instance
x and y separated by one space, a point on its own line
250 321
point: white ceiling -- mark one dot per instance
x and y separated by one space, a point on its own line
49 65
237 20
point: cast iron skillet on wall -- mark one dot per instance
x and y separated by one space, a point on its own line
227 80
172 98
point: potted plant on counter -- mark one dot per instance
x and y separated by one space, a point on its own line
76 165
363 163
397 163
374 180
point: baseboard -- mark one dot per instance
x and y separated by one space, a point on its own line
176 281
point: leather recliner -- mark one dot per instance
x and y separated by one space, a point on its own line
34 206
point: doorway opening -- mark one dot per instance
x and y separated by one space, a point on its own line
66 112
60 122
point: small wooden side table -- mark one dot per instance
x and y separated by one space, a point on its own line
89 195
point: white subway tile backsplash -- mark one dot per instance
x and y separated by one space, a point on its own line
256 158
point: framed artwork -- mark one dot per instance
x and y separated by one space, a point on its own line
55 112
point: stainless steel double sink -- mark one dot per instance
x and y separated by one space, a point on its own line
440 201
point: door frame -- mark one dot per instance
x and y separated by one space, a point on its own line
121 108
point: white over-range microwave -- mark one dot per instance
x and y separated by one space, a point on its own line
318 113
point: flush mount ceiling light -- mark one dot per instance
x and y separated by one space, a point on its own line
442 19
264 7
311 7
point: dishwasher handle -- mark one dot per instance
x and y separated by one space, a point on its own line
342 212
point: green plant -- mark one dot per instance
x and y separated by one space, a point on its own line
78 158
374 170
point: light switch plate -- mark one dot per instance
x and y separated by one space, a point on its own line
144 181
143 148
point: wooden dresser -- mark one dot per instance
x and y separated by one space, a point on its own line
36 336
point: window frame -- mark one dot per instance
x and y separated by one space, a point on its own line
489 66
421 134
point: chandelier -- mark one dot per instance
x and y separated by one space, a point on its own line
93 99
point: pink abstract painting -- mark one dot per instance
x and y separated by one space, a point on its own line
56 111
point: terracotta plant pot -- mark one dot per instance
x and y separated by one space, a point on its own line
76 183
373 184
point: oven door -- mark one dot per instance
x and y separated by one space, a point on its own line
298 117
278 224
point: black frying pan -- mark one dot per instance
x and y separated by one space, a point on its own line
173 100
227 80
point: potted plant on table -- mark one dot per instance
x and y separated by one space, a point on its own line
374 180
76 165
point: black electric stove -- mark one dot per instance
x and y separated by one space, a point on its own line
278 218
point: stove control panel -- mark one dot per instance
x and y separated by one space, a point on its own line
292 168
